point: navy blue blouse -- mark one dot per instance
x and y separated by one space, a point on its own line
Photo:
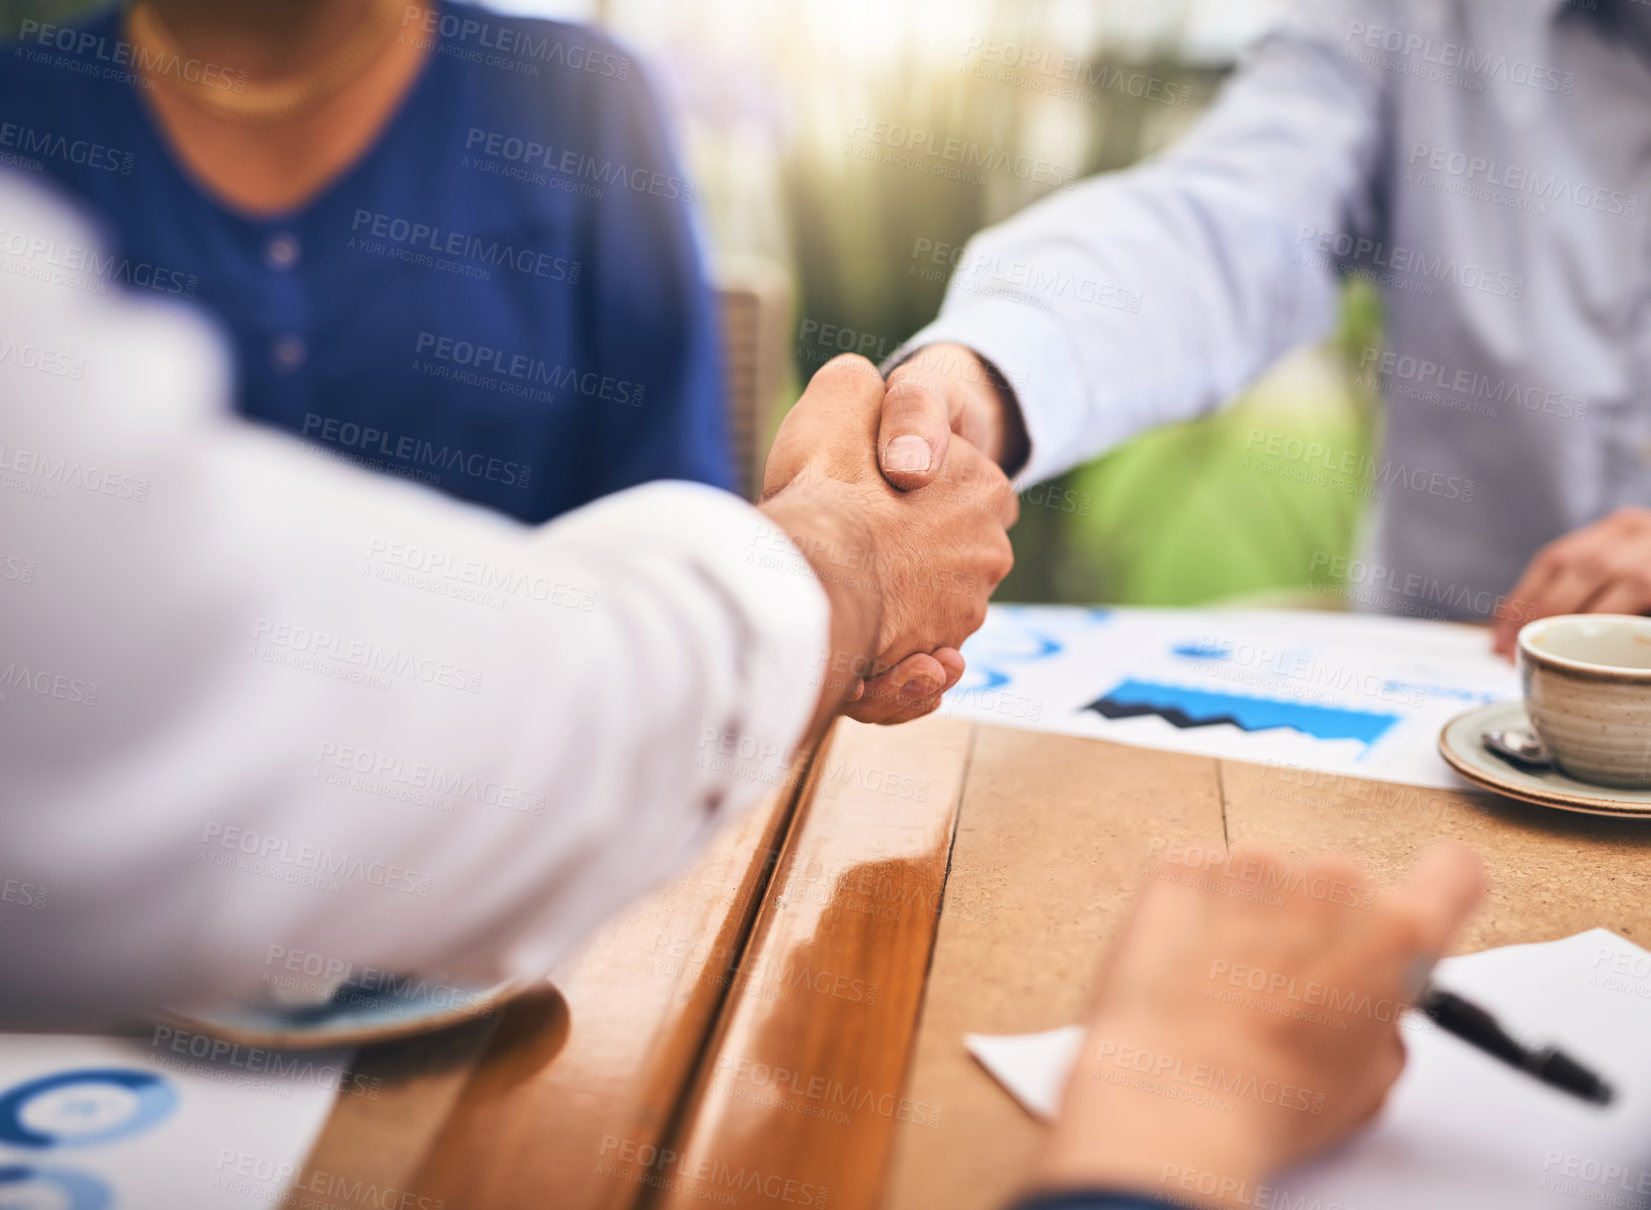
1098 1199
504 297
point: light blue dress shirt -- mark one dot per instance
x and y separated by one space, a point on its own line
1486 163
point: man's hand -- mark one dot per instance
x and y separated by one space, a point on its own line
1200 995
1601 568
945 389
908 575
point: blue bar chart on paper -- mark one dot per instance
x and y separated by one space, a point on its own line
1342 693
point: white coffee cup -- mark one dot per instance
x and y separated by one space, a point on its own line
1587 684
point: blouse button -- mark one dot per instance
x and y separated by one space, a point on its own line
281 253
288 352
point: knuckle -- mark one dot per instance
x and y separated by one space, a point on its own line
914 397
850 371
1593 564
1002 561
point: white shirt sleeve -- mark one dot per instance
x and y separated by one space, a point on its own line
253 702
1152 295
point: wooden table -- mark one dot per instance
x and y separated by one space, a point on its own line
783 1027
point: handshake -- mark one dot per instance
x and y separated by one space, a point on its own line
908 568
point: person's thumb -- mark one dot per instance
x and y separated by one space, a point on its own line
914 435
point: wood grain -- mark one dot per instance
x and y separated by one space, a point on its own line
798 1099
537 1121
378 1140
1551 873
1051 838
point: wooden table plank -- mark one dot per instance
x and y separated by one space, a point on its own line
798 1098
378 1141
1551 873
1051 838
536 1120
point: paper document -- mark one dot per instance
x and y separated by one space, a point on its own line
89 1123
1460 1130
1344 693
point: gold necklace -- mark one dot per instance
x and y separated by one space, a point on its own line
230 96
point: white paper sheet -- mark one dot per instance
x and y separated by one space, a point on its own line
1355 694
1460 1130
135 1124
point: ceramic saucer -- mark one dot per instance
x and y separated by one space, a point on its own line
1464 751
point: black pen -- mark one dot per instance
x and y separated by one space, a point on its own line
1478 1028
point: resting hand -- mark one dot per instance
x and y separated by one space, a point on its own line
1205 981
1601 568
909 576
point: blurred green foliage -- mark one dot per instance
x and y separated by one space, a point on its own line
1177 516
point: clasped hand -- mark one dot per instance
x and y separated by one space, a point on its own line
908 573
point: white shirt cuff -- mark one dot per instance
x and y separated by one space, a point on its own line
1030 350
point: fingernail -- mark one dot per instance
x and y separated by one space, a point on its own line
909 453
916 688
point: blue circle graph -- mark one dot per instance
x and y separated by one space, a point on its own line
153 1099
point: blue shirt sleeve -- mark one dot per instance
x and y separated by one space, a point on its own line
654 274
1096 1199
